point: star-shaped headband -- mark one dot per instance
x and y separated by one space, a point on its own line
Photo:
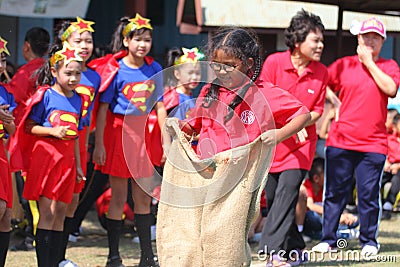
136 23
3 47
79 25
67 53
189 56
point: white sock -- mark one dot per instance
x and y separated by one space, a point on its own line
300 228
387 206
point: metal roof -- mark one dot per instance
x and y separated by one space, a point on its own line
373 6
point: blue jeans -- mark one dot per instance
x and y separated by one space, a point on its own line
313 225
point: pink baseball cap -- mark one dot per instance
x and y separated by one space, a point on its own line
368 25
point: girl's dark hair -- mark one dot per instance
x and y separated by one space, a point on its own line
300 26
44 76
39 40
117 43
172 55
242 44
59 31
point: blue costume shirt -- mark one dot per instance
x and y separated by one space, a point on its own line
57 110
6 99
134 91
186 103
88 88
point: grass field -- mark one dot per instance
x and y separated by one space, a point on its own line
91 249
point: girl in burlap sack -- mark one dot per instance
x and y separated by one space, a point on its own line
209 196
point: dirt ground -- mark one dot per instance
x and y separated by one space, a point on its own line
91 249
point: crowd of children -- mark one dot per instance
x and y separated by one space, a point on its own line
124 99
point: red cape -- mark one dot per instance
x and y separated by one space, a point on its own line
170 98
21 144
153 131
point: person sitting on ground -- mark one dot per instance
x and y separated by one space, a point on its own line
392 166
309 208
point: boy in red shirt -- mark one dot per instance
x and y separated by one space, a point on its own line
392 167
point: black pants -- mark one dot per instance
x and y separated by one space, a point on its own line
280 230
394 188
20 183
93 189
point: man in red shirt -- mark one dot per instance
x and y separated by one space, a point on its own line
357 138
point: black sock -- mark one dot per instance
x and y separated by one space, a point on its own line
143 222
4 242
113 232
55 247
42 239
67 230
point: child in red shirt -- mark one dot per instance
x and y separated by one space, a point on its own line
309 206
391 169
47 148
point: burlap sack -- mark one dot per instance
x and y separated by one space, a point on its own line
207 206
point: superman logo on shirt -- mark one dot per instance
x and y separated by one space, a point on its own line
138 92
187 114
2 131
87 94
65 118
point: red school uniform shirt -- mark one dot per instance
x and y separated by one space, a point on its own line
309 88
317 198
362 114
264 107
393 148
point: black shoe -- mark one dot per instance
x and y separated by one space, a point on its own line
115 262
147 262
386 215
25 245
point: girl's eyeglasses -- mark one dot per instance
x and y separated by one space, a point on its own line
227 68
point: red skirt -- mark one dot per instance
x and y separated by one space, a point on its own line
84 160
6 190
124 142
52 170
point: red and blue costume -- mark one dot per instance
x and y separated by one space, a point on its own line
177 105
131 94
5 173
88 89
49 162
